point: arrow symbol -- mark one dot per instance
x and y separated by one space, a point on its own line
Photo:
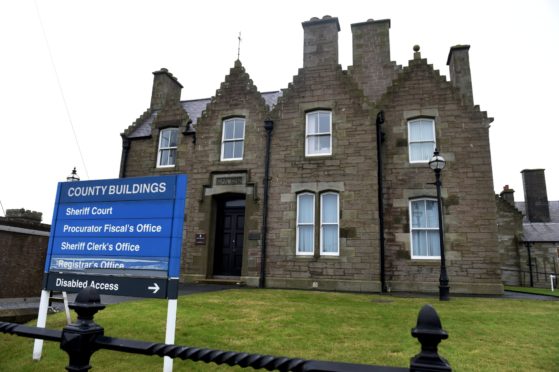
154 288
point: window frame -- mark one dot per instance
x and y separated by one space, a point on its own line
410 142
160 149
412 229
297 250
233 139
307 135
322 224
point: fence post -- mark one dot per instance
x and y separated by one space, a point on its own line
78 339
430 333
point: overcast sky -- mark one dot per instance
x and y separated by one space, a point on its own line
88 65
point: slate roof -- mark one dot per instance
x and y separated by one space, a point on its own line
194 109
541 231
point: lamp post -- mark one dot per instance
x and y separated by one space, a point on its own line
73 177
437 164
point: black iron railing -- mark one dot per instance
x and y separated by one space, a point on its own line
83 338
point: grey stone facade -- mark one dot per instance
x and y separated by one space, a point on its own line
352 99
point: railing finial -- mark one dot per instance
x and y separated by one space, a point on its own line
430 333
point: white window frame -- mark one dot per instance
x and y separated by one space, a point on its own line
320 134
298 252
412 229
322 224
167 148
233 139
411 141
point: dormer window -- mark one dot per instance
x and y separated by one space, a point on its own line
421 139
233 139
318 133
167 153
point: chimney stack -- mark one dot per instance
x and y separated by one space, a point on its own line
460 76
508 195
321 42
372 68
166 87
535 195
371 43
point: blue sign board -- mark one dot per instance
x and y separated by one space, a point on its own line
112 231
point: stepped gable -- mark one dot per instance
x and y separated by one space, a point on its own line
419 69
172 114
235 91
300 87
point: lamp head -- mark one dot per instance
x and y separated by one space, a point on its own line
437 161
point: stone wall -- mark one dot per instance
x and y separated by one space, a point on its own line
23 248
462 137
509 227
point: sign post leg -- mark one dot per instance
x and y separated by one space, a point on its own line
41 322
170 332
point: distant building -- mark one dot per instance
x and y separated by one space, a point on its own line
23 248
529 233
326 181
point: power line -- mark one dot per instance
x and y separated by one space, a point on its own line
61 90
3 211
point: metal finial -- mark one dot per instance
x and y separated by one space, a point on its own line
239 47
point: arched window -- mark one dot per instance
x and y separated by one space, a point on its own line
329 224
305 224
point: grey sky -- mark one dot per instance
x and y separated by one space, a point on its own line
105 51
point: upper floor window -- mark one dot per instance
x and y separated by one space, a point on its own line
329 224
305 224
167 153
233 139
421 138
318 133
424 228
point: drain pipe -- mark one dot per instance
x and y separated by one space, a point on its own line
124 156
269 126
380 140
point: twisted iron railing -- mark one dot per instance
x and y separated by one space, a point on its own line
83 338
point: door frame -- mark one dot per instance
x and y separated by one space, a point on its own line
220 201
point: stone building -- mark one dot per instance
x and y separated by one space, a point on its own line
529 233
23 248
325 184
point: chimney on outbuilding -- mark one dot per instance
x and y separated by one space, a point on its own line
460 76
320 46
535 195
508 194
166 88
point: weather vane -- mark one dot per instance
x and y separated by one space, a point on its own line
239 47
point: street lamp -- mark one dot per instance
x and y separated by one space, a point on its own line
73 177
437 163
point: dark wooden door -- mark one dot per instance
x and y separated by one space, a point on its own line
228 255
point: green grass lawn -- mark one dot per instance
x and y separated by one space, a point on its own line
538 291
484 334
